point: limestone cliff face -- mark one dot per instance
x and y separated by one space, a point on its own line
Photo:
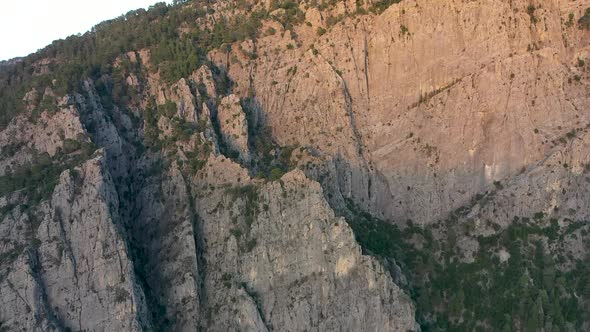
223 200
71 270
181 238
51 133
428 103
553 190
555 186
234 126
256 261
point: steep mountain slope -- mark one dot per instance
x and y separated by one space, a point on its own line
131 240
380 166
498 80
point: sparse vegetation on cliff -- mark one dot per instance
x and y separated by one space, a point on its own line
379 7
91 55
37 179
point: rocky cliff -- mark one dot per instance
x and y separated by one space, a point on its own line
428 103
301 166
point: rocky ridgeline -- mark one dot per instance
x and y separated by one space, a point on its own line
222 201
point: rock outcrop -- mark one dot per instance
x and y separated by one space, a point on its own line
234 127
76 272
257 263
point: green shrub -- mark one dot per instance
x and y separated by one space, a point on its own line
380 6
276 173
237 233
531 11
168 109
292 14
121 295
38 179
182 130
570 20
71 145
250 244
403 29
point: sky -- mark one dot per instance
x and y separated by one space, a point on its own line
29 25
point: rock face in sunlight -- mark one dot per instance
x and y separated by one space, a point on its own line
299 166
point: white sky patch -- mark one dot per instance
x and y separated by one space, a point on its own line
29 25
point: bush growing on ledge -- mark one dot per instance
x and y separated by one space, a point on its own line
380 6
38 179
531 11
292 14
276 173
150 128
71 145
168 109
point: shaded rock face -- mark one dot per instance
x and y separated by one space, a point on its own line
164 230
